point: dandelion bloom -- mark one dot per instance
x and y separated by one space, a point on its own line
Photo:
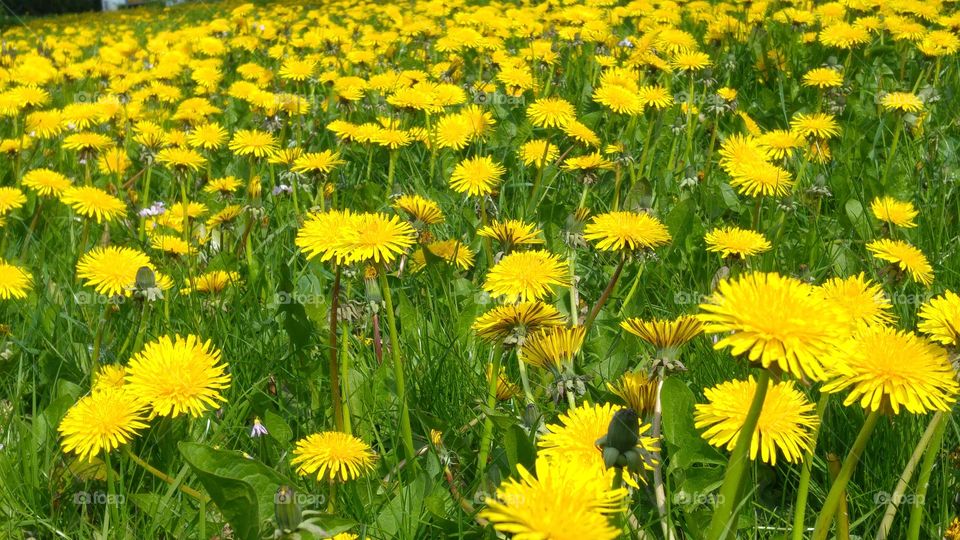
46 183
688 60
905 256
862 301
736 242
419 209
823 77
894 212
553 348
761 178
227 184
786 424
618 99
112 270
626 231
453 252
637 390
93 203
538 152
15 281
550 112
99 422
526 275
213 281
209 136
575 437
253 142
566 500
333 455
776 321
657 97
169 243
87 141
664 333
780 143
317 162
11 198
816 125
885 370
476 176
377 238
324 234
517 320
511 232
178 376
902 102
940 318
181 159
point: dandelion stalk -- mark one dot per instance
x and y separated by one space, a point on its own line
724 518
893 152
923 481
405 430
334 364
894 503
606 293
803 489
186 490
145 198
493 377
658 488
830 505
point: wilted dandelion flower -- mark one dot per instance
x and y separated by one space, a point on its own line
11 198
894 212
517 320
775 321
511 232
101 421
637 390
550 112
664 333
333 455
15 281
902 102
419 209
736 242
526 275
816 125
905 256
787 419
940 318
823 77
626 231
45 182
885 370
566 500
575 437
253 142
553 348
860 299
178 376
93 203
476 176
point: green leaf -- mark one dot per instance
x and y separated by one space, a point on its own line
858 218
519 448
683 440
277 428
242 488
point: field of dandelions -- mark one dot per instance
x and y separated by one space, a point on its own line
577 270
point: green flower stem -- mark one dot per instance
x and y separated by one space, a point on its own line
574 292
839 486
406 432
803 490
487 243
98 339
894 503
893 152
606 293
334 364
391 169
524 380
633 288
541 165
841 521
345 372
186 490
923 481
724 519
145 200
647 143
689 151
110 517
493 376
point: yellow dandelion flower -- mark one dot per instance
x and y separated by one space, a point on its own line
516 320
100 422
894 212
333 456
736 242
476 176
862 301
906 257
626 231
94 203
526 275
15 281
664 333
940 318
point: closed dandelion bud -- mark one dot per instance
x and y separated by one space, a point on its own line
371 287
145 278
633 460
286 508
610 457
531 416
623 433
